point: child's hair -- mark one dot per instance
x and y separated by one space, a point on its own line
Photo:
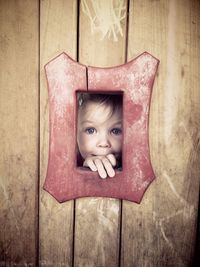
109 99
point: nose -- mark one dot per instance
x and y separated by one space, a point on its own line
103 141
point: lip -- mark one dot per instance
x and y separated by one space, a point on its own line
105 154
100 154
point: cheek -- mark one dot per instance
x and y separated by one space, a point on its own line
117 144
85 142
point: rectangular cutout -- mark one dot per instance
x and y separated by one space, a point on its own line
99 125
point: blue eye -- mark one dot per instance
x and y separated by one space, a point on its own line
116 131
90 130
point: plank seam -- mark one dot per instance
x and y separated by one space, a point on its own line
196 258
77 39
120 233
38 186
73 238
121 201
77 59
127 30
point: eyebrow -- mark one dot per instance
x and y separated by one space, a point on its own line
87 121
118 122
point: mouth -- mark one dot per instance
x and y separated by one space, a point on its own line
117 155
96 155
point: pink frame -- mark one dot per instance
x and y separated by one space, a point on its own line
64 180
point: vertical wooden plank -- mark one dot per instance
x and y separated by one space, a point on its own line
18 132
102 43
161 230
58 25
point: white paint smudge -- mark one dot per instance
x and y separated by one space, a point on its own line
60 81
105 17
142 71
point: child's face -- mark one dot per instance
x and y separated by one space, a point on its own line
99 133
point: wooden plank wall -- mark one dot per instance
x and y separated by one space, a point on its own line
97 220
161 231
58 25
19 132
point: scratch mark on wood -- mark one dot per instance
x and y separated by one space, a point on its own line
160 221
189 139
13 215
170 244
181 199
187 211
105 17
10 207
105 218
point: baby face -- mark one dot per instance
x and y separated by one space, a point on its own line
99 131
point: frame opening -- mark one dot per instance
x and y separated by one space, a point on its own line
99 130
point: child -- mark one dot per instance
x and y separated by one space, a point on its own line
99 132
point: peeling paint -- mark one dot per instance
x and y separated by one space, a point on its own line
64 181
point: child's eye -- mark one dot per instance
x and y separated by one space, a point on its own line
116 131
90 130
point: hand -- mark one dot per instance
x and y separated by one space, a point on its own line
103 164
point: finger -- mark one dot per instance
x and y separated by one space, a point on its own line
112 159
108 167
89 163
100 168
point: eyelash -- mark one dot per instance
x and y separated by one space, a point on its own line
115 131
88 130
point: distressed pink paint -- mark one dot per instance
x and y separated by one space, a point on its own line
135 79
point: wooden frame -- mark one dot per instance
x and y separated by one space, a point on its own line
135 80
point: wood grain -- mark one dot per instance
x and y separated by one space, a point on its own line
18 132
161 230
97 220
58 25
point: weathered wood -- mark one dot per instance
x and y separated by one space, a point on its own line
161 230
58 33
102 44
102 33
18 132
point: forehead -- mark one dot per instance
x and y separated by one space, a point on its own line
99 112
